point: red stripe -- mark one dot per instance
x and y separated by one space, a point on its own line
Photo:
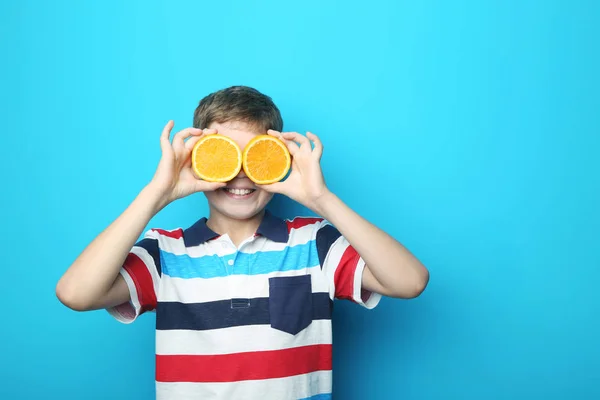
176 234
344 274
298 223
143 281
243 366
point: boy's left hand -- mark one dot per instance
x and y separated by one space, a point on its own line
305 184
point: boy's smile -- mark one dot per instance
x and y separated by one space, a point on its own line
240 193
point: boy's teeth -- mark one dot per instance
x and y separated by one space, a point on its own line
239 192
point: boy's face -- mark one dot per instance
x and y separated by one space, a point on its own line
240 199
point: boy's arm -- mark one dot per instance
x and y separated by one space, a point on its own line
390 270
93 280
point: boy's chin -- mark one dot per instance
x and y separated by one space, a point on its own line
239 213
238 209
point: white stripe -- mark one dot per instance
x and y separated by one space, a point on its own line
134 303
172 245
152 234
303 234
224 246
289 388
373 299
239 339
149 263
200 290
332 262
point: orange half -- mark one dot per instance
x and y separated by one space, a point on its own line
266 160
216 158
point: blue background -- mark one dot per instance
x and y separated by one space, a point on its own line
469 130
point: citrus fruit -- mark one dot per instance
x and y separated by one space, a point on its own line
266 160
216 158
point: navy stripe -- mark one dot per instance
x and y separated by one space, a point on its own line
151 246
326 236
220 314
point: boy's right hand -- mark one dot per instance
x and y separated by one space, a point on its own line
174 177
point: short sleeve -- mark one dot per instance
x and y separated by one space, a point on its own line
141 272
343 267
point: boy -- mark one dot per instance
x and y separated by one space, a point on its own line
243 300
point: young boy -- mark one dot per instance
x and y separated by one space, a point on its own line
243 299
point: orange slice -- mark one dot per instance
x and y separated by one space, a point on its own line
216 158
266 160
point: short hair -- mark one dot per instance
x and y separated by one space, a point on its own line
238 103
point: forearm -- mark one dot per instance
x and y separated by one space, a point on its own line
94 271
390 268
398 271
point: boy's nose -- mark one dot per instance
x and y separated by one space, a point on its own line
242 174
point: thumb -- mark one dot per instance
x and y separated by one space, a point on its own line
205 186
276 187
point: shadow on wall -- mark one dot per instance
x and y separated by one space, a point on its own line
384 345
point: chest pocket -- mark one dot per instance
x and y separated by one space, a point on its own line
290 303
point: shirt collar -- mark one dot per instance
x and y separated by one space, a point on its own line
271 227
198 233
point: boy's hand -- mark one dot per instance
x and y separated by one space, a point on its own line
174 177
305 184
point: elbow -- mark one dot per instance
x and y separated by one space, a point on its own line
69 297
413 286
420 283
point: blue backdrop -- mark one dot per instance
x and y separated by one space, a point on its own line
469 130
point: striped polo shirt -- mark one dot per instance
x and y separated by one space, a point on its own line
247 322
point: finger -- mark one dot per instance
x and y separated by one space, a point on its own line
180 136
164 136
205 186
193 135
290 144
277 187
298 138
273 132
318 150
191 142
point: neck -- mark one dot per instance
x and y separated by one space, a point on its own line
238 230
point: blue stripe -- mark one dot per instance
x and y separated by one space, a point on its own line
326 396
263 262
